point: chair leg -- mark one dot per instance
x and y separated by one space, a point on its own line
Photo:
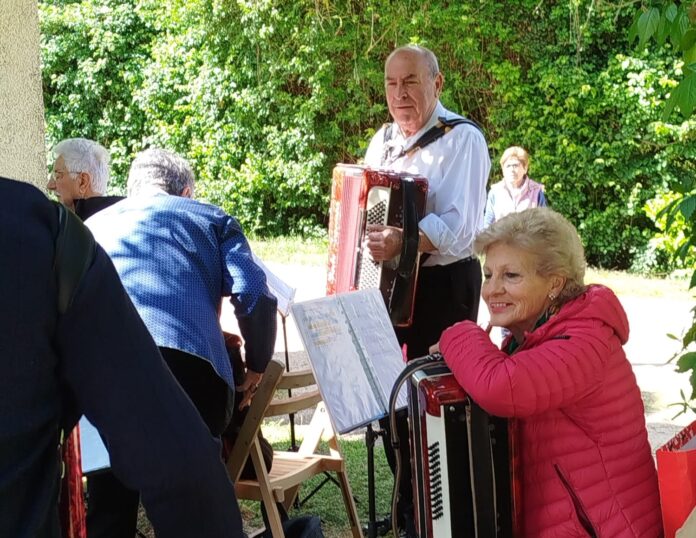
348 500
269 501
290 496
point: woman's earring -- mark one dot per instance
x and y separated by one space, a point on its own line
552 296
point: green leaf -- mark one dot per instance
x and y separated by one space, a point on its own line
647 24
692 284
633 29
687 206
688 40
671 12
679 26
683 97
662 31
686 362
690 336
690 57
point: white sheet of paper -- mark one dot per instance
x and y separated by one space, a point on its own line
354 354
282 291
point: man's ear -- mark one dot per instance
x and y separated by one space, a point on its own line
439 83
187 192
84 183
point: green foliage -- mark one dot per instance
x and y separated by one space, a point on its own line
265 97
673 25
93 53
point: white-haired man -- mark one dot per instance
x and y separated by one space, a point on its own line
80 176
451 152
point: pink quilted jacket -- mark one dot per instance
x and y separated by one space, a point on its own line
586 466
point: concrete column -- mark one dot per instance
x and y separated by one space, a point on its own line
22 147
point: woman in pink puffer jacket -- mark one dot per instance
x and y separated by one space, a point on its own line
586 468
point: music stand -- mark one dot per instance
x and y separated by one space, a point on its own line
285 294
349 337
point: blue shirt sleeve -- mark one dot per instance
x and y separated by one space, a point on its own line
254 305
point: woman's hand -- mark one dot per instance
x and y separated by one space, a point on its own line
435 348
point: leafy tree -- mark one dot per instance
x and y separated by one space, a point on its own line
264 97
673 25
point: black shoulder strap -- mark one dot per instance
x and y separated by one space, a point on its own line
437 131
75 250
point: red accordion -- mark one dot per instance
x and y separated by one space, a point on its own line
463 476
361 196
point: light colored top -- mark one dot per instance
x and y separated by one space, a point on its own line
457 167
502 200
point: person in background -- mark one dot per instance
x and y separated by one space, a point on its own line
79 179
563 377
456 164
178 259
73 344
80 176
516 192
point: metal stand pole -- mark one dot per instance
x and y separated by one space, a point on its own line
293 441
374 528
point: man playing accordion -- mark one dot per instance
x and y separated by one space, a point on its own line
451 152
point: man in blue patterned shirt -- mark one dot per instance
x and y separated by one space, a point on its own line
178 258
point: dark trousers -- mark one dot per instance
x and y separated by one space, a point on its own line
445 295
112 508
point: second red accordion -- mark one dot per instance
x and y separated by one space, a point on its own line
361 196
463 462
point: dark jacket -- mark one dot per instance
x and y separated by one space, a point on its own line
101 361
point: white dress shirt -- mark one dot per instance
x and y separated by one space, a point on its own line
456 166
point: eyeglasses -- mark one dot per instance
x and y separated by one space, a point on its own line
513 166
59 174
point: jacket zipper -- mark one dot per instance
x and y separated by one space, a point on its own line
577 504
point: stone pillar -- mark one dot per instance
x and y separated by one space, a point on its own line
22 147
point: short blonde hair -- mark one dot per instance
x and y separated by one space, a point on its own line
549 237
515 151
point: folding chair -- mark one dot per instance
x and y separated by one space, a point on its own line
289 469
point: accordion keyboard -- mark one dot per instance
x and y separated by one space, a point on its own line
377 211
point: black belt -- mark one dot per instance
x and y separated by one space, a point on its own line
458 262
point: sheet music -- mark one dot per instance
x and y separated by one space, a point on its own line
354 355
282 291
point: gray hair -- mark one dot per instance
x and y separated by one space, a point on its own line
427 55
162 169
83 155
550 238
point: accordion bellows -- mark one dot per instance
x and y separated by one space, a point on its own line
361 196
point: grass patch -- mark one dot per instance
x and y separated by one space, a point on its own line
292 250
327 503
624 283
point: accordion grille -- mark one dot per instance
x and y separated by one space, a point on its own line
370 270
